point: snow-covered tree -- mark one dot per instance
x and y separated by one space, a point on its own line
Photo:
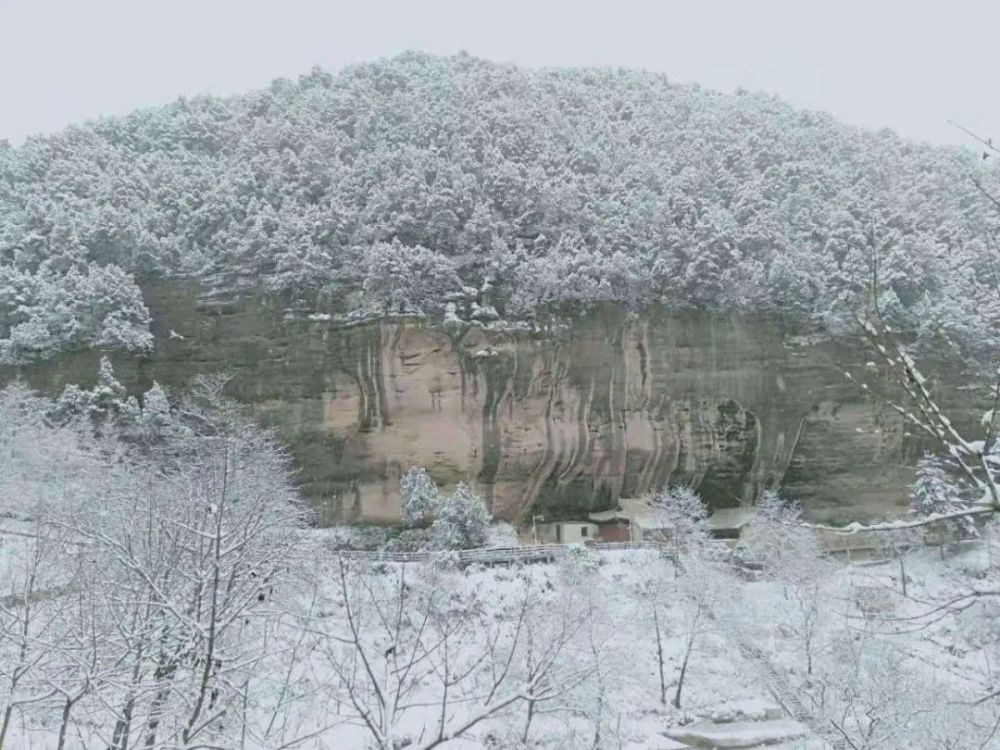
157 574
681 520
935 491
107 404
401 279
419 497
702 583
456 521
461 520
655 593
791 554
399 182
878 699
92 306
401 641
905 389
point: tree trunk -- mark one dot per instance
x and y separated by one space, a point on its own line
165 672
64 725
8 712
684 667
123 727
153 725
213 621
527 723
659 657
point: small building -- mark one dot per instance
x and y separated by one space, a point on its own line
561 532
634 515
615 531
859 546
635 521
728 524
575 532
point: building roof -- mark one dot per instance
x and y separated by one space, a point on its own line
639 513
834 541
730 518
636 512
603 516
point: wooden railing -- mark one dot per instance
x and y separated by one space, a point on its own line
498 555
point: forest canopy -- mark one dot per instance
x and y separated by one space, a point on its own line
411 183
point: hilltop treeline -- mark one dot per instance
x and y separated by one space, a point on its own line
409 183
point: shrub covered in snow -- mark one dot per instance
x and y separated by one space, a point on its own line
418 497
456 521
461 520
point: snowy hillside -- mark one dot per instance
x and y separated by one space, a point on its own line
405 183
160 587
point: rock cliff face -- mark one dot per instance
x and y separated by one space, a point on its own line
609 406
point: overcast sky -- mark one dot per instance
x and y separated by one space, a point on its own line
909 65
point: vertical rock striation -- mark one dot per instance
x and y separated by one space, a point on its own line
610 405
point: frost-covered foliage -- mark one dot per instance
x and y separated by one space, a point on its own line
935 491
456 521
182 604
418 497
417 179
680 519
40 459
780 542
461 520
143 585
149 422
107 401
45 311
400 279
156 421
791 555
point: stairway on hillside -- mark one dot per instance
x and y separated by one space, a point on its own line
779 687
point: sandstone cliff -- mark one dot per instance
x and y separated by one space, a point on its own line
559 424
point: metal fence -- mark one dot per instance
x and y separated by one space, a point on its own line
498 555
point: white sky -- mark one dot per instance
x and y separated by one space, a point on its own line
908 65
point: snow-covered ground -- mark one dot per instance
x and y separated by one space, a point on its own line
366 649
603 590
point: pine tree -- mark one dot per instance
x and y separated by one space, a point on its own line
461 521
935 492
419 498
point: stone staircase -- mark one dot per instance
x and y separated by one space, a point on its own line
777 684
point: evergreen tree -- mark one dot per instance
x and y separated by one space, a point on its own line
398 185
418 497
935 492
461 521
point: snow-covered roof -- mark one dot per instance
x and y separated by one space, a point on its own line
639 513
730 518
836 542
636 512
603 516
